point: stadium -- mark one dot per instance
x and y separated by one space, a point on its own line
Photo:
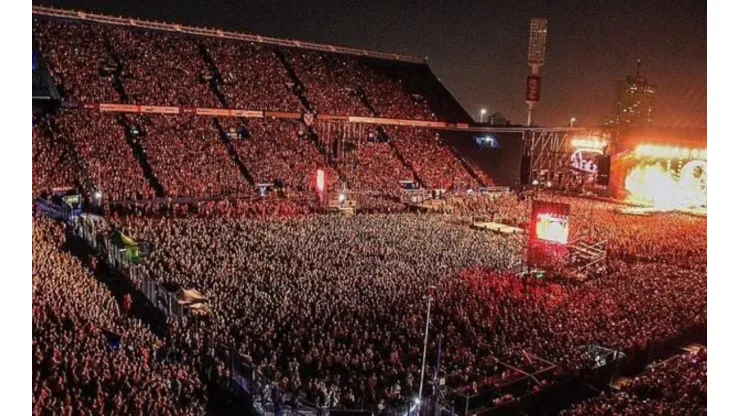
228 223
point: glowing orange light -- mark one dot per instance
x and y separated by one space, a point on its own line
669 152
655 186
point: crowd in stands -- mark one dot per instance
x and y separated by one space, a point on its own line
330 308
281 152
367 161
76 55
110 64
89 357
252 77
331 82
387 97
54 165
104 154
434 162
187 157
162 69
676 386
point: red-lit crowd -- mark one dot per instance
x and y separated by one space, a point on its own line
110 64
346 300
330 308
89 357
433 161
676 386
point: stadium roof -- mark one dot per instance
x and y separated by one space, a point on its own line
224 34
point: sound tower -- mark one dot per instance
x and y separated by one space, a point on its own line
604 165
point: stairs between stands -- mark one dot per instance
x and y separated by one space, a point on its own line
216 80
298 87
141 157
232 152
465 165
117 83
400 157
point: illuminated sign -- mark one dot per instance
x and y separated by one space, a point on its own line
669 152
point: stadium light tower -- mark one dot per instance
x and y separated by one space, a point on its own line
572 121
482 113
537 43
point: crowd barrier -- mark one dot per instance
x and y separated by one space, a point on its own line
267 398
91 230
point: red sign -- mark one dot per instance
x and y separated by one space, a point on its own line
534 87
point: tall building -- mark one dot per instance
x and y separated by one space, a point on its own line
635 104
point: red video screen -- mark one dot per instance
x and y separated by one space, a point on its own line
549 222
551 227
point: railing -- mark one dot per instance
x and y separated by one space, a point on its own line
89 228
267 398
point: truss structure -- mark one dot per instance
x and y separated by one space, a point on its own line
548 152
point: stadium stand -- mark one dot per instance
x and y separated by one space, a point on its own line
329 310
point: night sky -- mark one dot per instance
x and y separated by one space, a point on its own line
479 48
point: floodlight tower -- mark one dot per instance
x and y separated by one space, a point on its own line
537 43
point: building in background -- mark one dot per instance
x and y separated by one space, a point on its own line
635 102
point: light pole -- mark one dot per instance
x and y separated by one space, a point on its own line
426 338
482 113
572 122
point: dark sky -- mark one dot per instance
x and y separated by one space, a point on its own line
479 48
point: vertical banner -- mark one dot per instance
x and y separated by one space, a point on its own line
534 88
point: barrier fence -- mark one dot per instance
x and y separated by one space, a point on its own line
91 230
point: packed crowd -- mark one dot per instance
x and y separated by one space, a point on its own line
109 64
54 165
281 152
676 386
367 161
317 277
188 158
76 56
433 161
89 357
162 69
363 281
331 308
105 155
251 76
387 97
331 81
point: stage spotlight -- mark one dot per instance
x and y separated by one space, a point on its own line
535 182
